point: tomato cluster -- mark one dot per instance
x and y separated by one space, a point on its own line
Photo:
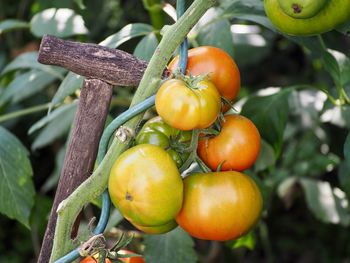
145 183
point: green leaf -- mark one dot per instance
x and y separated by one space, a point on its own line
344 176
251 10
270 115
343 65
30 60
344 28
247 241
126 33
26 85
173 247
12 24
331 66
285 186
16 188
52 181
266 157
68 86
311 161
251 44
40 214
327 204
210 27
312 44
80 3
347 149
52 116
338 116
56 128
146 47
62 22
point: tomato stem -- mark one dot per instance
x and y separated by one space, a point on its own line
24 112
155 11
102 256
193 149
202 165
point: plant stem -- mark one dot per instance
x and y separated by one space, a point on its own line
322 43
155 11
97 182
24 112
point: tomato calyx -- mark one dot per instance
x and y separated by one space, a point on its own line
92 245
178 145
95 249
190 80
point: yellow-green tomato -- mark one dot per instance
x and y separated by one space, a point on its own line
146 186
155 131
321 17
186 107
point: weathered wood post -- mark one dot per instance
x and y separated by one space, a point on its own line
103 67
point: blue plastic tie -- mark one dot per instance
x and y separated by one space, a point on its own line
180 10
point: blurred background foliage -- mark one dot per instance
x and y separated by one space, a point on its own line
296 90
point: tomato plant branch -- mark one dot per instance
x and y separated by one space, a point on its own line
97 182
24 112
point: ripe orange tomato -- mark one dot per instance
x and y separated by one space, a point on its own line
219 206
236 147
94 259
187 108
146 186
222 69
131 259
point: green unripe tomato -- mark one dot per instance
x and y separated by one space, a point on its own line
302 8
332 14
157 132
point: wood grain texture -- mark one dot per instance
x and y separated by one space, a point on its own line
82 149
113 66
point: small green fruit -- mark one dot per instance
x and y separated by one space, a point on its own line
330 15
302 8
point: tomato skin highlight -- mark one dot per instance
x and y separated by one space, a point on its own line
186 108
236 147
146 186
219 206
222 69
155 131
